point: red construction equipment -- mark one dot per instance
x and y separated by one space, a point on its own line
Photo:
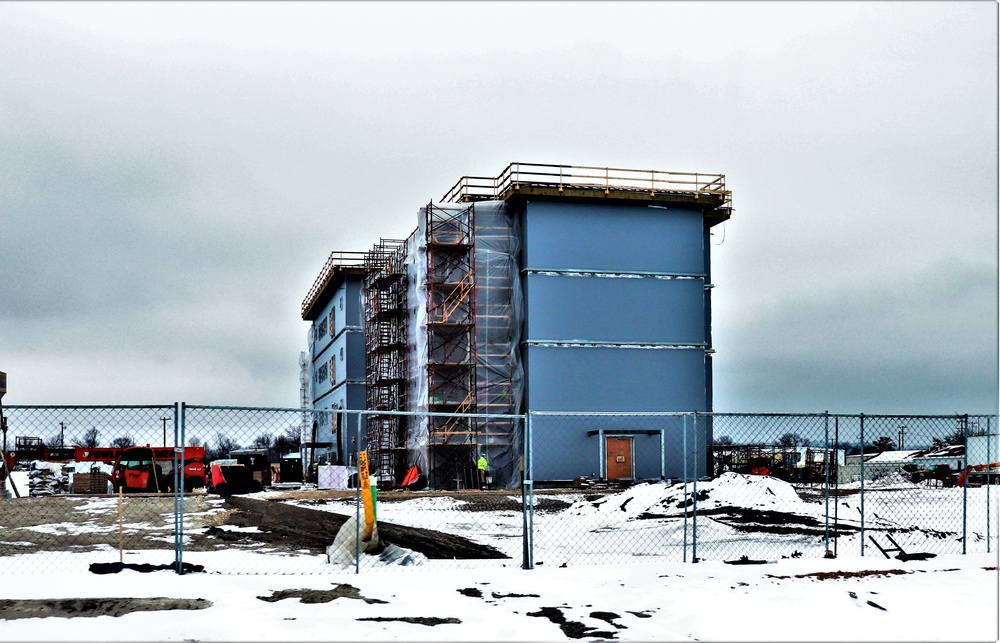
228 477
991 470
147 468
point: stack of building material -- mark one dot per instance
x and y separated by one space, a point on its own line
47 478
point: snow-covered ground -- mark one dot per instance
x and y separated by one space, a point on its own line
948 598
610 567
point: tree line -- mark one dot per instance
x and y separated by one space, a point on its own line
878 445
277 445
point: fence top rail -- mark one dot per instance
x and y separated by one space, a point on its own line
189 407
10 407
211 407
613 413
171 407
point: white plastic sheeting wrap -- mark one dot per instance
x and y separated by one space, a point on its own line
416 338
499 316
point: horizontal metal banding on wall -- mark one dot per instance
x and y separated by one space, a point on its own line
338 387
612 275
581 343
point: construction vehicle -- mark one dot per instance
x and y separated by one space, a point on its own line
34 448
146 468
989 473
227 477
257 461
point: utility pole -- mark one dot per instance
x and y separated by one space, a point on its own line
164 418
62 435
902 431
3 420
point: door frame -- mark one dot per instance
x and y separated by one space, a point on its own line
631 456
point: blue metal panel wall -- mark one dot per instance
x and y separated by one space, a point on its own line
617 309
563 449
616 379
344 308
638 249
355 342
633 238
321 351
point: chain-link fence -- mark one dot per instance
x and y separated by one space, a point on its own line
764 486
267 491
58 504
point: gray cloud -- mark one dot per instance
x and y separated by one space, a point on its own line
173 178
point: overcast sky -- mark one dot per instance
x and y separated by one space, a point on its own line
173 177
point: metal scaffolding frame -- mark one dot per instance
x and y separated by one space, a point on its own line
451 338
386 356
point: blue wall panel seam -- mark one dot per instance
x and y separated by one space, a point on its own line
611 274
583 343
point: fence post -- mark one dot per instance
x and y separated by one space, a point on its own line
826 490
531 494
527 499
357 500
694 493
862 416
684 451
965 487
989 479
179 418
524 499
836 503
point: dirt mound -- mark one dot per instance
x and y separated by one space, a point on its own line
74 607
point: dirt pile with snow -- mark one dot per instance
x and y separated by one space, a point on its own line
671 500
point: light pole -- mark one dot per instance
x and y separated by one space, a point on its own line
62 435
164 418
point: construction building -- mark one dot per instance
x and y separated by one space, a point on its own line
333 369
562 289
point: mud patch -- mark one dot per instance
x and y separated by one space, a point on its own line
87 607
764 521
430 621
838 575
145 568
607 617
572 629
313 596
512 595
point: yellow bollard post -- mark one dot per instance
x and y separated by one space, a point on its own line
366 494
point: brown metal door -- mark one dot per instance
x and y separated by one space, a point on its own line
619 450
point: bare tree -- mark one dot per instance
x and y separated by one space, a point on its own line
226 446
792 440
123 441
89 438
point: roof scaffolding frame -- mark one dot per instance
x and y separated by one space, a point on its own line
705 191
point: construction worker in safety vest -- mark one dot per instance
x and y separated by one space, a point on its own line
483 465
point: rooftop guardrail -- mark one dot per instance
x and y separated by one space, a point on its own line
606 179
